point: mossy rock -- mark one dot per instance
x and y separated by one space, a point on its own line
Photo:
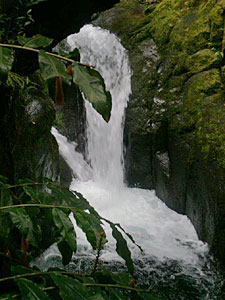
185 91
35 152
202 60
223 74
204 83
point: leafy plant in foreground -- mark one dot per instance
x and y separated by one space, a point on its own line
29 207
56 67
35 215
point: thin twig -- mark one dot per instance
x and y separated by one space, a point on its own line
44 273
24 184
48 53
13 296
36 205
44 289
122 287
102 234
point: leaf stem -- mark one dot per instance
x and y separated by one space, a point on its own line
48 53
17 295
122 287
98 254
36 205
43 273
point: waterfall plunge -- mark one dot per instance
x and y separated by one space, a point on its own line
139 211
105 140
168 239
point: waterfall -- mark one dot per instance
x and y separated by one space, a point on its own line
105 140
169 240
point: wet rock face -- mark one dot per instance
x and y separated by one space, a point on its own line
174 128
72 125
144 59
73 116
31 151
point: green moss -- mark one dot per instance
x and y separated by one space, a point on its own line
204 83
202 115
59 120
202 60
190 38
223 74
187 25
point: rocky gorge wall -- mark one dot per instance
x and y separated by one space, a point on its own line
174 128
27 148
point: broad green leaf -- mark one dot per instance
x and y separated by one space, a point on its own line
37 195
7 296
5 222
92 85
64 196
129 236
115 294
30 290
36 41
20 219
90 225
5 197
5 225
65 227
122 248
6 62
34 2
75 55
23 222
148 296
51 67
99 296
65 251
121 278
70 289
18 270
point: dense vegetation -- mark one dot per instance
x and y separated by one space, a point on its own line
33 215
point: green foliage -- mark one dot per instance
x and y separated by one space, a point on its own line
51 67
35 215
33 2
6 62
65 227
59 120
70 289
23 215
13 22
122 249
37 41
30 290
29 229
28 207
15 16
90 225
92 85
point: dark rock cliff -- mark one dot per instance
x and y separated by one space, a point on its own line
27 148
174 130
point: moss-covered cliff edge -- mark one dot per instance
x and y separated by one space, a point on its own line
175 130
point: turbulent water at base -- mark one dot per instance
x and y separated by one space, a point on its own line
174 260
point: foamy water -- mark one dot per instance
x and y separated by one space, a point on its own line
167 238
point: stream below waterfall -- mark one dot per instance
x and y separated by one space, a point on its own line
173 260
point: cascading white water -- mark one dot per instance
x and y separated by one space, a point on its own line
105 140
139 211
164 235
